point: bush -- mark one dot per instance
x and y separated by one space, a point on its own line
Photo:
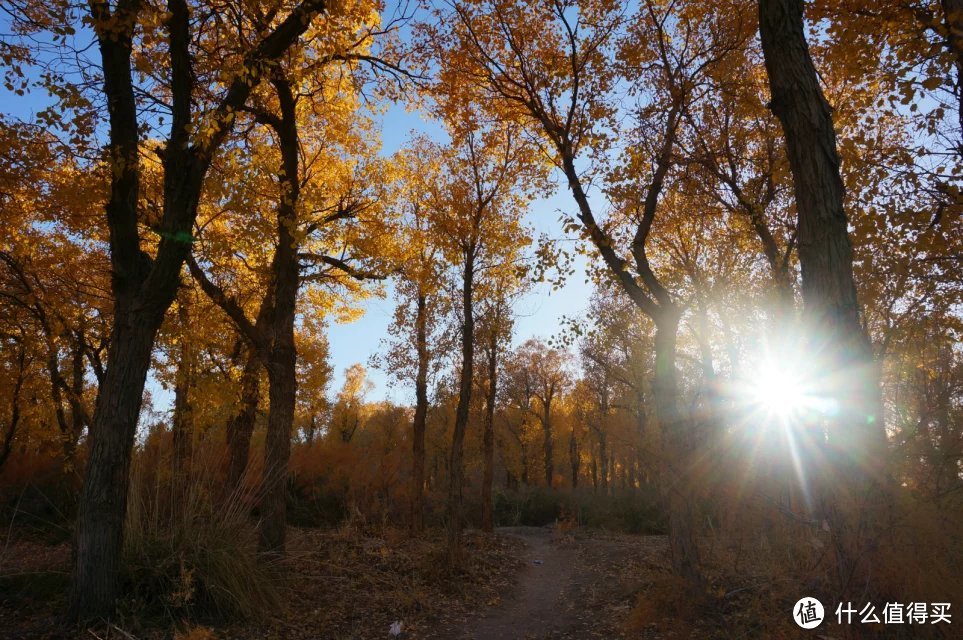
190 554
630 511
532 507
43 503
314 504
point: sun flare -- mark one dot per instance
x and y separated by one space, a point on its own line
778 390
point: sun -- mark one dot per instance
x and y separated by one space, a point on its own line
778 389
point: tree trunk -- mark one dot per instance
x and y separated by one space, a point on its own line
603 433
420 418
138 314
838 345
282 390
103 500
573 457
78 416
677 452
488 442
456 460
282 359
11 430
240 426
310 430
547 447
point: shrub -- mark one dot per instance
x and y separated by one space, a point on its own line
630 511
190 554
315 504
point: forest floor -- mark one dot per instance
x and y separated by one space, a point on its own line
580 584
523 583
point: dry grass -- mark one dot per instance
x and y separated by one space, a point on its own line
353 584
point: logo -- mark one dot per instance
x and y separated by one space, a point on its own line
808 612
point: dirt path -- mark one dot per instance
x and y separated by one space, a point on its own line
584 586
539 607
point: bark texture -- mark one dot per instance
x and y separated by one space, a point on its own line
282 357
840 348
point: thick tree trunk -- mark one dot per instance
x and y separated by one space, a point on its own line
138 314
488 438
677 452
420 418
282 359
282 390
240 426
838 345
456 460
103 500
144 288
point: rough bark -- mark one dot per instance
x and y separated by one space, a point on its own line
103 500
282 358
420 417
839 346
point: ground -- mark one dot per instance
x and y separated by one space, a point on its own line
521 583
575 585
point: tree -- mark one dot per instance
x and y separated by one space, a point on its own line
476 209
832 312
495 330
422 304
540 376
312 159
552 68
346 414
143 285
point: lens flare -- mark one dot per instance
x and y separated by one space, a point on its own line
779 391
